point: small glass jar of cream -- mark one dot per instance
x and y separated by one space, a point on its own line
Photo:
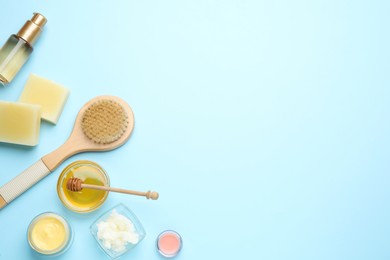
169 243
49 234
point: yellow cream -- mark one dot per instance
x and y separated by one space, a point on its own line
48 233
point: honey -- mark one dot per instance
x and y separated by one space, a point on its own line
85 200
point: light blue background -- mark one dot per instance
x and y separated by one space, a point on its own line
264 125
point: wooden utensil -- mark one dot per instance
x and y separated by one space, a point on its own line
76 184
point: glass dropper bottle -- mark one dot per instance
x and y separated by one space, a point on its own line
18 48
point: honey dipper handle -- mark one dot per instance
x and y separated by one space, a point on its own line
149 194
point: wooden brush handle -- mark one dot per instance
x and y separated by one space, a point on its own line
22 182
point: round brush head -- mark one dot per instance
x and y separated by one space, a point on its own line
104 121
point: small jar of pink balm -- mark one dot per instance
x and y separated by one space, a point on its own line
169 243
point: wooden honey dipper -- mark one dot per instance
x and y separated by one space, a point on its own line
75 184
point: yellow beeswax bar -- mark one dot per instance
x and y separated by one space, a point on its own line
49 95
19 123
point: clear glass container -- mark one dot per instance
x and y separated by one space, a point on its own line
124 211
50 234
169 243
86 200
18 48
13 55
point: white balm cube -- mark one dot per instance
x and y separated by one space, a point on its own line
19 123
49 95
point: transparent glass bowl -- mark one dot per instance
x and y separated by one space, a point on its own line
86 200
169 243
39 240
122 210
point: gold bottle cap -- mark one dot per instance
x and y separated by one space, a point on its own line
32 28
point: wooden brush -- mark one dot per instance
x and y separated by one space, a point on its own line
75 184
104 123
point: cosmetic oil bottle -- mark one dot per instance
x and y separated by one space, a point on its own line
18 48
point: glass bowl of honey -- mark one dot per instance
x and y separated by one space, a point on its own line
86 200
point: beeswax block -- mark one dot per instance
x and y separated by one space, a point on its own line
49 95
19 123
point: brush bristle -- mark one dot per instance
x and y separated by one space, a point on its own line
104 121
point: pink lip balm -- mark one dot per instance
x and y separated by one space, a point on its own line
169 243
